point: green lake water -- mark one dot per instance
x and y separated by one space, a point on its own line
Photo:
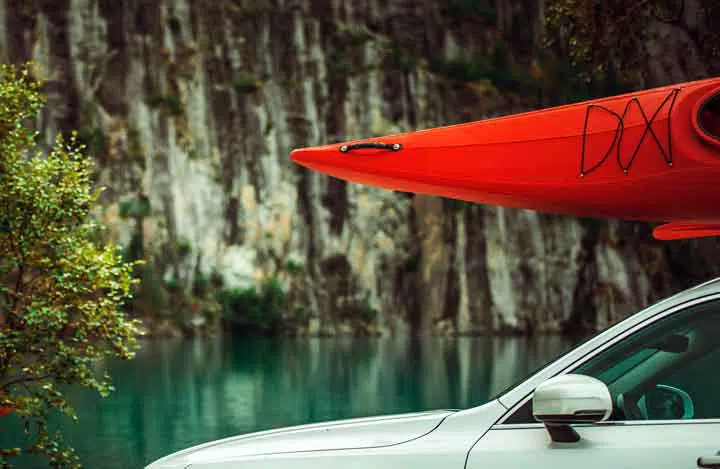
176 394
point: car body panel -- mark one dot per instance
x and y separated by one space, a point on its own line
445 447
658 444
350 434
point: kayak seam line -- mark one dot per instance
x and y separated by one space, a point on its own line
411 146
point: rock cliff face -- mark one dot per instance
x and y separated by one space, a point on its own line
191 108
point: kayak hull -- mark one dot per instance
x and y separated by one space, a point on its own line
642 156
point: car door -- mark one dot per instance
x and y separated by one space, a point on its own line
665 384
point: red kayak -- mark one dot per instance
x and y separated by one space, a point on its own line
652 156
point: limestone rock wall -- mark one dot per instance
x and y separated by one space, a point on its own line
191 107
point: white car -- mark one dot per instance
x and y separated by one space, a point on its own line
643 394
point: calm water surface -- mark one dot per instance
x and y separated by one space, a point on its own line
178 394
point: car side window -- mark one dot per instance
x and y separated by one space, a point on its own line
662 372
666 371
701 381
522 415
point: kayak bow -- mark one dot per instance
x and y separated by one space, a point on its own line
649 156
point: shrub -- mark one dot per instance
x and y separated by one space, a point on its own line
61 292
255 308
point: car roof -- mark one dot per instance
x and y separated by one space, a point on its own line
709 284
707 288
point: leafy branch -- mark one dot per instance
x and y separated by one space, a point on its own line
62 290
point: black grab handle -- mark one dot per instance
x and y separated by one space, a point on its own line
370 146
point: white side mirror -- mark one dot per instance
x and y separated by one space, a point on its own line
568 399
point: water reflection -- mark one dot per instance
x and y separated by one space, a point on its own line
178 394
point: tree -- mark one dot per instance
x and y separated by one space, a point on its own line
61 290
609 39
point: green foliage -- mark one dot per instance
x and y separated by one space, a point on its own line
567 83
455 205
195 152
344 51
367 313
170 104
172 285
247 82
302 314
464 70
61 292
135 250
402 61
472 8
351 35
495 68
201 285
595 34
255 307
293 267
94 140
135 207
151 298
216 279
134 149
339 64
183 248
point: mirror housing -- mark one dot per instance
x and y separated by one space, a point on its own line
569 399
